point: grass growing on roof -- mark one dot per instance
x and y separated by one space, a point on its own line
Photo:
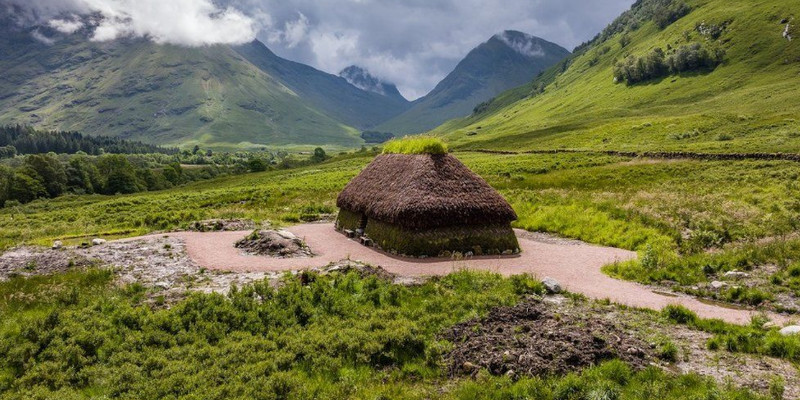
415 145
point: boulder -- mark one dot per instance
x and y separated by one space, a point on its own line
551 285
98 242
718 285
790 330
57 245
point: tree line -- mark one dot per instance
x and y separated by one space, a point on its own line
35 176
18 139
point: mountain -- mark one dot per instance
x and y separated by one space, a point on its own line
362 79
218 96
667 75
330 93
506 60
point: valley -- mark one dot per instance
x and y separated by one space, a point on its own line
653 172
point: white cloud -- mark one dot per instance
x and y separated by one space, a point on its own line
42 38
524 45
181 22
67 26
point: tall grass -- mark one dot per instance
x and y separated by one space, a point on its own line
415 145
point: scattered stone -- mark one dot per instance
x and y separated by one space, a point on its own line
787 32
286 234
551 285
769 325
508 252
98 242
281 244
718 285
468 366
790 330
57 245
163 285
215 225
736 274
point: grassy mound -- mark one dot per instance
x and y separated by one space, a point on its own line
415 145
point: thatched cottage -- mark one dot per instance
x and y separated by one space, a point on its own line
426 204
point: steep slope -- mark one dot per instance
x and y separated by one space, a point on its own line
155 93
751 102
507 60
332 94
362 79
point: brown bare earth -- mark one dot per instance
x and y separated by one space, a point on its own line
530 338
576 265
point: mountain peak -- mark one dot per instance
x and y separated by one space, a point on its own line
527 45
362 79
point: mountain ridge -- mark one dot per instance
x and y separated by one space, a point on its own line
506 60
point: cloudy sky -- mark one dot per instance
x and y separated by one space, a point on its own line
413 43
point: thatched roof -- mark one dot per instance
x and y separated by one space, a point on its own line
424 191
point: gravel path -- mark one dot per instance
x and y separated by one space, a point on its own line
576 265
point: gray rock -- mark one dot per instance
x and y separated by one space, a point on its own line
552 285
718 285
790 330
769 325
468 254
98 242
57 245
163 285
286 234
736 274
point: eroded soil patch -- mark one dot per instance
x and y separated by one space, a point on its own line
532 339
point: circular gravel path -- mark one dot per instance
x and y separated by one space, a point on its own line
576 265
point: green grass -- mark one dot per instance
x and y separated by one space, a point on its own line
415 145
338 336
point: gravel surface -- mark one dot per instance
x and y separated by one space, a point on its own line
576 265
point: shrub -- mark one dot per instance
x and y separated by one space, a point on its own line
679 314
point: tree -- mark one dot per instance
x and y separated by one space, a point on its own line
82 176
51 172
319 155
25 188
120 174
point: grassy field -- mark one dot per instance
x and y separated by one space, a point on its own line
75 336
689 220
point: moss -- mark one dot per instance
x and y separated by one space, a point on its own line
348 220
484 240
415 145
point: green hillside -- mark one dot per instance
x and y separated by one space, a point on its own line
748 103
506 60
330 93
163 94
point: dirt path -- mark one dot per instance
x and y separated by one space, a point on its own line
576 265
